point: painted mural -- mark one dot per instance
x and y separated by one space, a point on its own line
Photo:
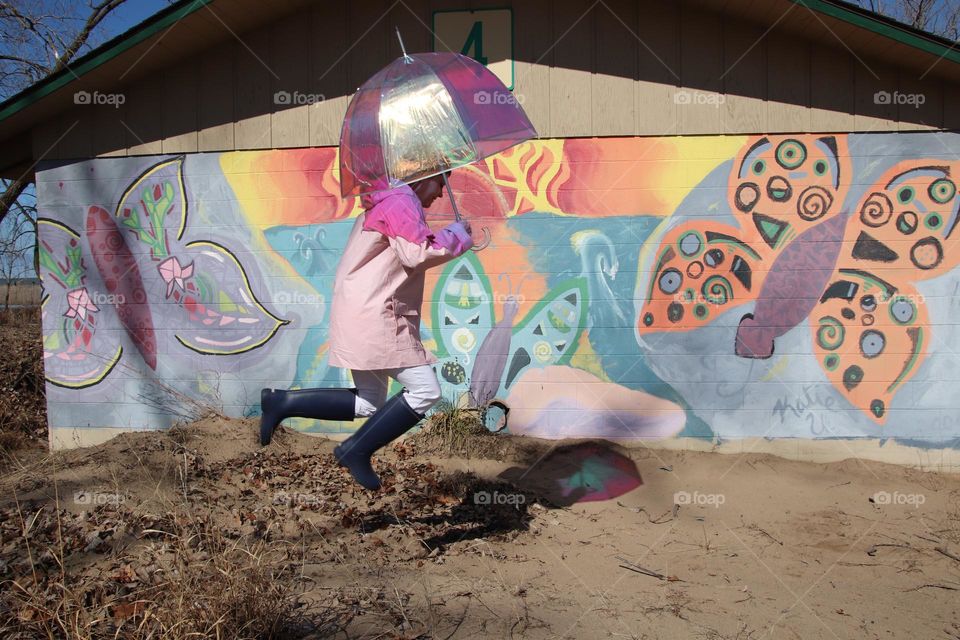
710 287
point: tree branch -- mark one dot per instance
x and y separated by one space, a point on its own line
10 195
100 12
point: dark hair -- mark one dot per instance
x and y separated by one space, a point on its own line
433 177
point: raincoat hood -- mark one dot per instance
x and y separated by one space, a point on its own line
395 212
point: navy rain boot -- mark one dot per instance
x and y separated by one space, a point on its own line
319 404
390 422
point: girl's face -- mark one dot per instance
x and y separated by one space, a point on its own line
429 190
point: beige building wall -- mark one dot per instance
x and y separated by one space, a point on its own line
623 67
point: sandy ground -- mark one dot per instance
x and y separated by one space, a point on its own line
544 540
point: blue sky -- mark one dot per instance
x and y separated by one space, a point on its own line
129 14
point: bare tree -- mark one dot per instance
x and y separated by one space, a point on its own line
17 243
939 17
42 37
37 39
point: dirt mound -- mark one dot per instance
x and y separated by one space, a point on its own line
199 531
119 533
453 431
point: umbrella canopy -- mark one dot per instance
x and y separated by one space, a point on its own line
422 115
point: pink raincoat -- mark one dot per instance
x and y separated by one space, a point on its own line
378 290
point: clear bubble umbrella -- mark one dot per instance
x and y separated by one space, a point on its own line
426 114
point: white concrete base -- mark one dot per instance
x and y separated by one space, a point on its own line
834 450
927 459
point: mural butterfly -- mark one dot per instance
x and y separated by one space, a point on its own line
798 257
482 357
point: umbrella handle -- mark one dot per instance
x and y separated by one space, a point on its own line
485 242
453 200
456 213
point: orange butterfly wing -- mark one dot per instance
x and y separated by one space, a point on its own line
701 270
870 335
781 186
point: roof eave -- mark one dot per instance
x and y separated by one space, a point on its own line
887 27
105 52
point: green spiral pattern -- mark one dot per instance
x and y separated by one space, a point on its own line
717 290
830 333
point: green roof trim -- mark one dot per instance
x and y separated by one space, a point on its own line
887 27
105 52
929 43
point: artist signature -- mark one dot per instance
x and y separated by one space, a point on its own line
810 405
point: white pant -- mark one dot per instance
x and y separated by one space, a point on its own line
423 388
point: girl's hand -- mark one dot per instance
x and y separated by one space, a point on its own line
466 226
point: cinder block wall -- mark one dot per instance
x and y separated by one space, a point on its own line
690 290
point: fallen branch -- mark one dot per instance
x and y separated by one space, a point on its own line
934 586
658 520
917 535
947 552
872 551
768 535
647 572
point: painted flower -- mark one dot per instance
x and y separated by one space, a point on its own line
174 273
79 303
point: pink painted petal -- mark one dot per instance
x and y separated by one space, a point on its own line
166 269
